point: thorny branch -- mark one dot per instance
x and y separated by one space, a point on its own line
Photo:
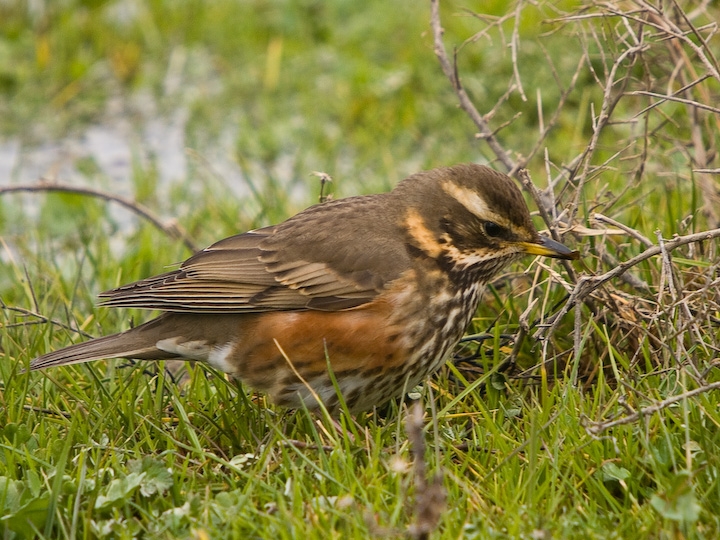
656 98
450 70
482 122
586 285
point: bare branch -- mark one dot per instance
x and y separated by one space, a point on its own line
450 71
587 284
596 428
171 228
39 319
429 496
664 98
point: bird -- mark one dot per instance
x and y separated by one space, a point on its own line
356 299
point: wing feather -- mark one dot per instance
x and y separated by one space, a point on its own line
299 264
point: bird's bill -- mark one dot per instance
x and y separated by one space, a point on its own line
548 247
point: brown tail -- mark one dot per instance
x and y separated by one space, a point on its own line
137 343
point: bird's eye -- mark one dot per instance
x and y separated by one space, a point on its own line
493 230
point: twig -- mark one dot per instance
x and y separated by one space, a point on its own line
325 179
609 102
629 230
41 319
665 25
662 98
588 284
555 118
595 428
631 279
450 71
429 496
527 182
514 45
170 228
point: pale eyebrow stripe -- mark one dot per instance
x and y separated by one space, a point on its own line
473 203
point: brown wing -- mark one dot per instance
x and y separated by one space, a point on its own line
307 262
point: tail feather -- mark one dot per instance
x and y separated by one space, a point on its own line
130 344
188 333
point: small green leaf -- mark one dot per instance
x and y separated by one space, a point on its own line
9 494
613 472
119 490
22 512
34 482
498 381
678 504
23 434
9 431
29 518
157 479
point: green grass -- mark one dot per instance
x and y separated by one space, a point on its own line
281 89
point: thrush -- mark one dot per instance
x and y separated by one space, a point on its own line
373 290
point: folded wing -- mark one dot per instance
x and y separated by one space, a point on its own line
276 268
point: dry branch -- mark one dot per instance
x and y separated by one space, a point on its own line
588 284
596 428
654 120
171 228
429 495
451 72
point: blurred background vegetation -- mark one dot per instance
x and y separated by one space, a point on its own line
214 115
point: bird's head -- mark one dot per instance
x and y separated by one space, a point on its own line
472 218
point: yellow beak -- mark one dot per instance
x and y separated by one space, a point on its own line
548 248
